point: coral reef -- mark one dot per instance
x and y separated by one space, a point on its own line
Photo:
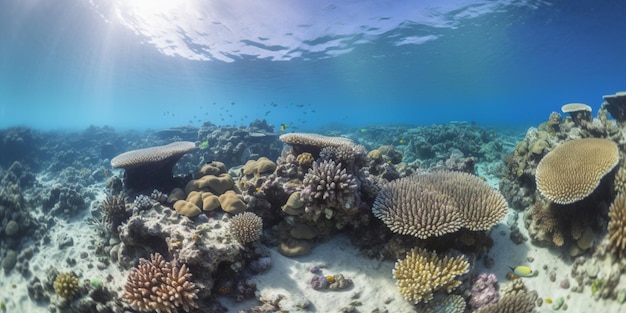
161 286
235 145
152 167
484 290
422 273
436 203
246 227
616 105
574 169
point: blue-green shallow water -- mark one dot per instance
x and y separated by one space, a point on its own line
139 64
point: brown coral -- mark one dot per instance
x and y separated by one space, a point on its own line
66 285
246 227
617 225
574 169
160 286
436 203
422 273
512 303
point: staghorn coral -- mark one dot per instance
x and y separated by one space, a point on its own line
327 185
246 227
436 203
151 168
422 273
66 285
574 169
161 286
617 225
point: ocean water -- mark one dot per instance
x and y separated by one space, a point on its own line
421 92
147 64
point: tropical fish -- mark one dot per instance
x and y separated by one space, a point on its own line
363 130
204 144
283 127
522 271
401 141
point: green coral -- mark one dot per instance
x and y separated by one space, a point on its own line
66 285
597 284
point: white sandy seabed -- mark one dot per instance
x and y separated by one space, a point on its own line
373 288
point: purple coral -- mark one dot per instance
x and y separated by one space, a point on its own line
484 290
319 282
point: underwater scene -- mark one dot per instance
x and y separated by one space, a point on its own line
447 156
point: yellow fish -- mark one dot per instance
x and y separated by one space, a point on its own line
401 141
522 271
283 127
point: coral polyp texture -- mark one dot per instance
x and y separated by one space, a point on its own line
574 169
161 286
66 285
151 167
422 273
246 227
617 225
313 143
432 204
155 154
328 185
512 303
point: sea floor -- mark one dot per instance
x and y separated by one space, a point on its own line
71 244
288 281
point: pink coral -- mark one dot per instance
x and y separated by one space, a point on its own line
484 290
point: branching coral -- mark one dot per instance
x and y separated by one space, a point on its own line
436 203
327 185
617 225
246 227
160 286
423 273
114 210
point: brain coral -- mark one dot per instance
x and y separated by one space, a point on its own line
617 225
573 170
422 273
436 203
246 227
160 286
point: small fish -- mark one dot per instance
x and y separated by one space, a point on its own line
401 141
363 130
522 271
204 144
283 127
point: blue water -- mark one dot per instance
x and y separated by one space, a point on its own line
152 64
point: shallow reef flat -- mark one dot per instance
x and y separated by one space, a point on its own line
397 218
